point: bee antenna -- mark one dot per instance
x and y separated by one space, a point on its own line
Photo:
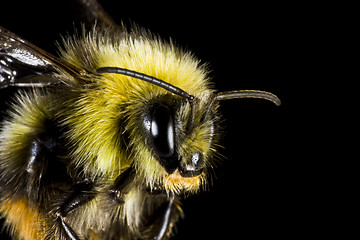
243 94
149 79
248 94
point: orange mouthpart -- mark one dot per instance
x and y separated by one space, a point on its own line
175 182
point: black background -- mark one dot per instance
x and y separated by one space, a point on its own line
260 191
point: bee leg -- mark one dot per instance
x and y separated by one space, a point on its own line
82 193
163 220
164 225
123 184
43 168
69 232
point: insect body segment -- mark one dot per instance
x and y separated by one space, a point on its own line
125 124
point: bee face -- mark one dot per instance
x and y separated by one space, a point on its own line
180 141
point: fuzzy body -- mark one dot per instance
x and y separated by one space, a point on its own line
95 132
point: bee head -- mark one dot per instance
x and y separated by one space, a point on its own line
180 134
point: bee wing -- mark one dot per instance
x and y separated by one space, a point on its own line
23 64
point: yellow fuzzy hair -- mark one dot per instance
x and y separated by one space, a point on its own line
101 114
25 121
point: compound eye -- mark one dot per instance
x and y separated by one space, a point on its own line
162 131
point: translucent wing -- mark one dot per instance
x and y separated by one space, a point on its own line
23 64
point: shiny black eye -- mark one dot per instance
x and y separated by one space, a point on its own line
162 131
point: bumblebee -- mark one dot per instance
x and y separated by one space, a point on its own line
103 141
